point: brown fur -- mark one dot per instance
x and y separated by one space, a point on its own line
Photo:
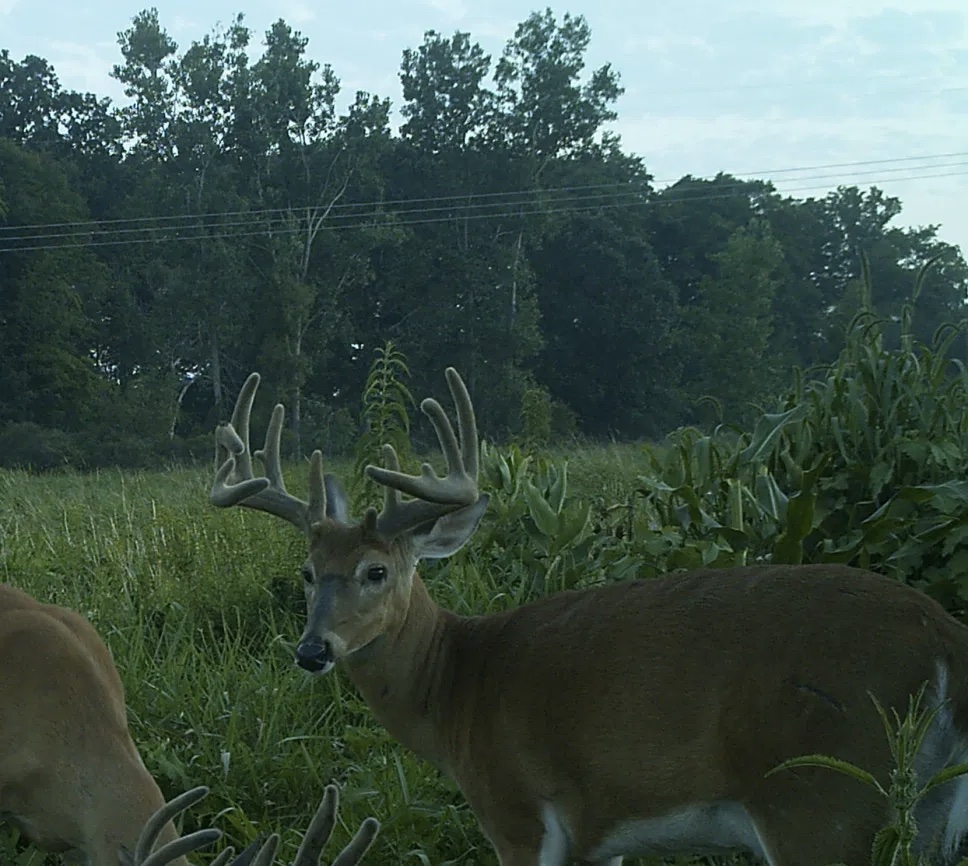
636 698
71 778
662 702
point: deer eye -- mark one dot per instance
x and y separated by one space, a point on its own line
376 573
307 574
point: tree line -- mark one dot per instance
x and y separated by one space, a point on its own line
231 216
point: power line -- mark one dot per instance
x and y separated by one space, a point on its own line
637 202
362 211
150 222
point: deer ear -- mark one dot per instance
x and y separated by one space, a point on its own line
448 534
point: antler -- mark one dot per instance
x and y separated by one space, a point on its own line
235 483
309 853
311 848
169 853
433 496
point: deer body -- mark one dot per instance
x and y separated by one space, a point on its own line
554 718
71 778
637 718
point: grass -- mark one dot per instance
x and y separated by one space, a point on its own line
200 607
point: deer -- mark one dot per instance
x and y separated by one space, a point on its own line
72 781
640 717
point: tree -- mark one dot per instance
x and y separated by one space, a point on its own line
317 163
608 316
543 110
445 102
29 101
146 75
48 298
725 335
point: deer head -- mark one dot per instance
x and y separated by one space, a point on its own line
359 573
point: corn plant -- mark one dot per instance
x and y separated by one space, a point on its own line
385 418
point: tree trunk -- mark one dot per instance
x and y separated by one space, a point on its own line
296 420
177 410
216 362
296 414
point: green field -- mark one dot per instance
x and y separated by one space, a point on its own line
201 608
865 463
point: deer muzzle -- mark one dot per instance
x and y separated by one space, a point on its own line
314 655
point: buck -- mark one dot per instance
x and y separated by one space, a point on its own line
636 718
71 778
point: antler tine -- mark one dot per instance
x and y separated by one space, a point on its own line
179 847
240 421
256 854
235 483
397 515
359 844
319 830
433 496
168 812
321 827
466 422
314 840
267 852
227 855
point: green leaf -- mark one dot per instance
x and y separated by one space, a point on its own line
558 489
946 775
799 523
541 512
570 526
772 500
767 430
826 762
884 851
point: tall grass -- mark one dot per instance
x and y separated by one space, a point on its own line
200 608
863 463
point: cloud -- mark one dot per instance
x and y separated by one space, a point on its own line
456 10
298 13
181 24
838 13
768 147
84 67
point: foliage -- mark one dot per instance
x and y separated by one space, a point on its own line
893 844
861 463
385 419
25 445
882 440
536 416
144 556
231 216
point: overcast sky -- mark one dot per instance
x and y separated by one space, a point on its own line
752 88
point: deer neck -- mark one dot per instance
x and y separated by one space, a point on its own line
131 797
404 677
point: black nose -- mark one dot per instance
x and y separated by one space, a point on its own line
313 654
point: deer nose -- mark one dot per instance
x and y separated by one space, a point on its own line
313 654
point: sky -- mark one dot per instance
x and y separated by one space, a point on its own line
806 93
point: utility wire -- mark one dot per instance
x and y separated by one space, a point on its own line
393 221
461 198
367 210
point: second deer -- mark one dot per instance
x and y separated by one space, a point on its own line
71 779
